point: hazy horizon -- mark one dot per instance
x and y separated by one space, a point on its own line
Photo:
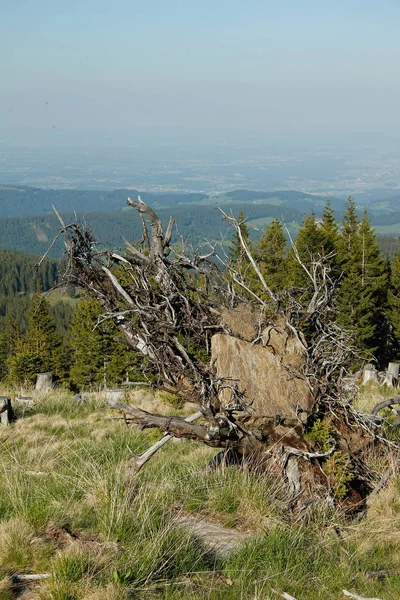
94 71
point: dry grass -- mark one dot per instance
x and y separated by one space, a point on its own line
370 394
69 505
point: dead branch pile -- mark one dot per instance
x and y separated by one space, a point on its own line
170 303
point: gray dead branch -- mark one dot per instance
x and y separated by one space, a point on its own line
142 459
29 577
357 597
284 595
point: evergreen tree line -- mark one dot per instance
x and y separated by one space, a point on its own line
19 273
81 353
367 300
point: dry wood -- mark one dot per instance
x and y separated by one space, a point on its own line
308 455
173 425
44 382
284 595
143 458
27 577
357 597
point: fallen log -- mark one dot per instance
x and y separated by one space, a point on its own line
141 459
178 426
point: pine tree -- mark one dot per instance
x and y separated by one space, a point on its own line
362 301
99 359
309 244
36 351
394 301
271 254
349 246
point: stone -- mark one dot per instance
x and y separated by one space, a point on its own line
269 374
114 395
243 321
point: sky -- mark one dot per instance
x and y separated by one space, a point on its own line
109 70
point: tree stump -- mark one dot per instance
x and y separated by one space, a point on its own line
370 374
392 375
6 411
44 382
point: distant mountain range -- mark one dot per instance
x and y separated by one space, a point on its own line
18 201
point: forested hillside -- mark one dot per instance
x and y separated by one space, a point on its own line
86 353
18 200
34 234
19 273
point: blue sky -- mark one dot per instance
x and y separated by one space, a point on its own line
97 68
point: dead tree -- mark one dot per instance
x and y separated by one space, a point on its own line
175 307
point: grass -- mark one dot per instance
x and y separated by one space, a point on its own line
71 506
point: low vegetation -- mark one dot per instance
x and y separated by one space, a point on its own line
73 508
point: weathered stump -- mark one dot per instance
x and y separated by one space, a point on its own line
392 375
370 374
44 382
6 411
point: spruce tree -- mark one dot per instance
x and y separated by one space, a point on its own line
309 243
271 254
36 351
329 230
394 301
348 245
98 358
362 299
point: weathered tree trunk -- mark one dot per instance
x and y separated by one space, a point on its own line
44 382
6 411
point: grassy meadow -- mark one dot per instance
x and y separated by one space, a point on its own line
73 508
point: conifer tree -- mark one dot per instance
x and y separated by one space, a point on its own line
98 359
36 351
362 299
349 247
309 243
394 300
329 230
271 254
